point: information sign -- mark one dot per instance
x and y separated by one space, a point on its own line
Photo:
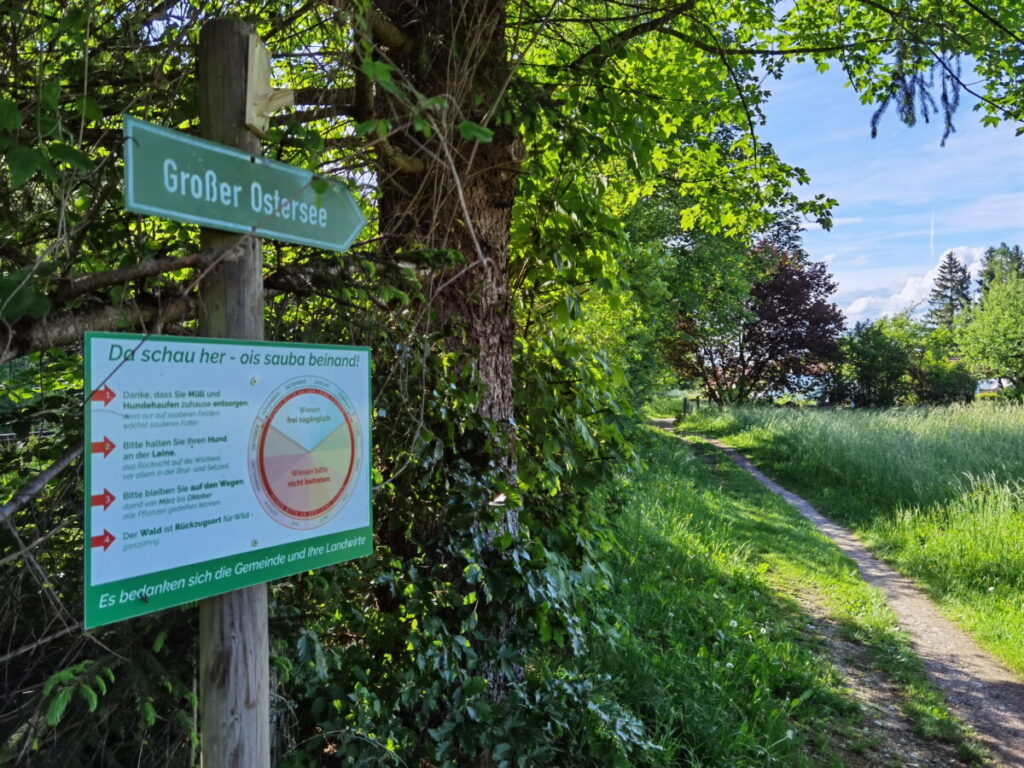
215 464
176 176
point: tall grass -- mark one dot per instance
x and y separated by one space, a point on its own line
935 491
711 654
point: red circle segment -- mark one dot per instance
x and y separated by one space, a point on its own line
261 463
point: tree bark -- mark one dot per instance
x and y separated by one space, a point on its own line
462 201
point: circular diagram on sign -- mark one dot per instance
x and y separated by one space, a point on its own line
304 452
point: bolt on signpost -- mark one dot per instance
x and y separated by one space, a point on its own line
218 464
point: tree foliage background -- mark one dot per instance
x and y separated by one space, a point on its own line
497 147
780 340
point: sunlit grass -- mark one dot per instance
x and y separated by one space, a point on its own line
935 491
714 652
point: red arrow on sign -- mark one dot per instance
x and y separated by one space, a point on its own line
104 499
103 541
104 395
105 447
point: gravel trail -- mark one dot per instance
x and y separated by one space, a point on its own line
978 688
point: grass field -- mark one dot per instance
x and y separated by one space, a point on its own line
937 492
715 654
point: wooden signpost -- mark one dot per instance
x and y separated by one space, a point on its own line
224 184
234 648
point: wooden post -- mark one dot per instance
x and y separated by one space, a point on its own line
233 644
686 406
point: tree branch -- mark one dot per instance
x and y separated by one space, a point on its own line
35 486
42 641
339 98
385 32
994 21
615 43
87 283
719 50
67 328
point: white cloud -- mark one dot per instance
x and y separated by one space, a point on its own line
890 291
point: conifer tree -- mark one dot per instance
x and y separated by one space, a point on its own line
1000 263
951 294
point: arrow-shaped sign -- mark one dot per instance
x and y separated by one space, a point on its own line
103 395
103 541
104 499
105 447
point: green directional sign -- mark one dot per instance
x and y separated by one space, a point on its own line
176 176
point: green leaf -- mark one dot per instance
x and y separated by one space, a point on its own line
381 72
475 132
388 292
159 642
10 115
21 297
74 19
73 157
61 677
24 162
58 706
90 697
90 109
474 686
148 713
49 95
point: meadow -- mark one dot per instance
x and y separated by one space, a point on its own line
935 491
714 650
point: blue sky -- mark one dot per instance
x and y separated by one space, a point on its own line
904 200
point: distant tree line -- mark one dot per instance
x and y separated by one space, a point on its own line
968 332
785 337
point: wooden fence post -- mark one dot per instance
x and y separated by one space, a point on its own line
233 642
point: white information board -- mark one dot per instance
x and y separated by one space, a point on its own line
215 464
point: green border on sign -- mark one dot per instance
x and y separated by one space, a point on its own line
138 595
118 600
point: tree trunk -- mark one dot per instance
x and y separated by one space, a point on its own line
461 201
463 198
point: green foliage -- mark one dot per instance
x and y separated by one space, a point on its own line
993 336
899 360
999 263
21 295
874 369
473 132
436 649
787 331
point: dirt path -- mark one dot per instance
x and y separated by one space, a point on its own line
979 690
